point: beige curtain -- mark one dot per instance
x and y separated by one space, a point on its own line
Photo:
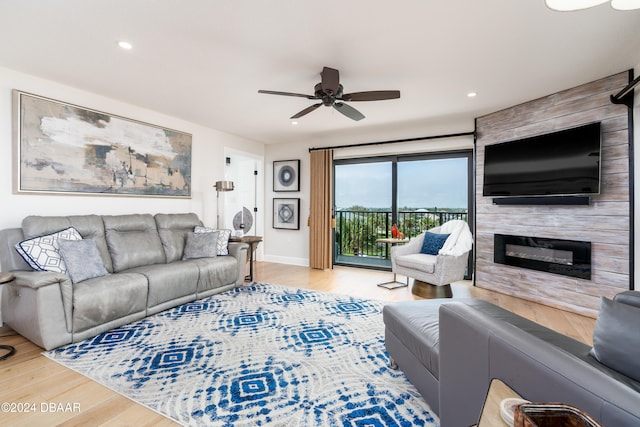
321 215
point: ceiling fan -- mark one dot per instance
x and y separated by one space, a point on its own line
330 92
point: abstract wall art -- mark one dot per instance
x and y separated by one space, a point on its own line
286 214
66 149
286 175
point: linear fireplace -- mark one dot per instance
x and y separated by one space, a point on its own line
566 257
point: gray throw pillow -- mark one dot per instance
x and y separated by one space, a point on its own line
616 338
82 259
201 245
223 238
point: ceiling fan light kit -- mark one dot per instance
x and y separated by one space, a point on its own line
330 93
572 5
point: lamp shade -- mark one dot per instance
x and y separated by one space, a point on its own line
224 186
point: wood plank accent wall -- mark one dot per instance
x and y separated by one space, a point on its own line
605 222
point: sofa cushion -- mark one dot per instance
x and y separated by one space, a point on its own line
173 230
223 238
201 245
101 300
616 343
433 242
421 262
175 282
133 241
82 259
42 253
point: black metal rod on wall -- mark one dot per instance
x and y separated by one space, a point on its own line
625 96
395 141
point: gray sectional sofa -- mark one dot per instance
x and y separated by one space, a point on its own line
143 273
451 349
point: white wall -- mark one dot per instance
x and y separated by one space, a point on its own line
207 159
287 246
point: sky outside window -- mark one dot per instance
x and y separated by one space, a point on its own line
363 184
427 184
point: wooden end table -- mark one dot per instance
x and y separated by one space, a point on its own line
498 391
253 242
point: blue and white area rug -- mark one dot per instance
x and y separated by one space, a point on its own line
257 355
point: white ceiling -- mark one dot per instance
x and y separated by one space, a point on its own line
204 60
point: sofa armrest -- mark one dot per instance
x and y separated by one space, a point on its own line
476 347
452 267
38 305
629 298
238 250
37 279
411 247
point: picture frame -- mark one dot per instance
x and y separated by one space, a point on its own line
65 149
286 175
286 213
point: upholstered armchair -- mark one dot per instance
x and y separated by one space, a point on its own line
444 264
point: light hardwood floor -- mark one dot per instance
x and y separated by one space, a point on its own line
32 379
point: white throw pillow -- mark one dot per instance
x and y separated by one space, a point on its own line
42 253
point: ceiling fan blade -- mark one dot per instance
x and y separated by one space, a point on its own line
372 95
306 111
275 92
348 111
330 80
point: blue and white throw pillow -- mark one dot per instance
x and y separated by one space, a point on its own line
42 253
222 245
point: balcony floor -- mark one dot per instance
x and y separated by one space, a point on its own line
364 261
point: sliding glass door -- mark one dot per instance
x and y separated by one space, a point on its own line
415 192
363 198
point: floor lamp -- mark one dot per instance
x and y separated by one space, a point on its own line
221 186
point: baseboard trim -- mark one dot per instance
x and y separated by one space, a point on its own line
303 262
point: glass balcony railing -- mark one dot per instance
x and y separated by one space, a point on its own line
357 233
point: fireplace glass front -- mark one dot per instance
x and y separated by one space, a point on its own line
567 257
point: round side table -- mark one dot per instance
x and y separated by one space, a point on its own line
10 351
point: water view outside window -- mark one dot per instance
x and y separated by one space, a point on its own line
429 192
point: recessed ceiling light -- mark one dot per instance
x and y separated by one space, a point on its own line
571 5
294 123
625 4
472 94
125 45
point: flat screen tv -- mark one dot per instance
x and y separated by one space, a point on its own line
562 163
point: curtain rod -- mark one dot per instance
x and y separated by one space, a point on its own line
625 96
395 141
